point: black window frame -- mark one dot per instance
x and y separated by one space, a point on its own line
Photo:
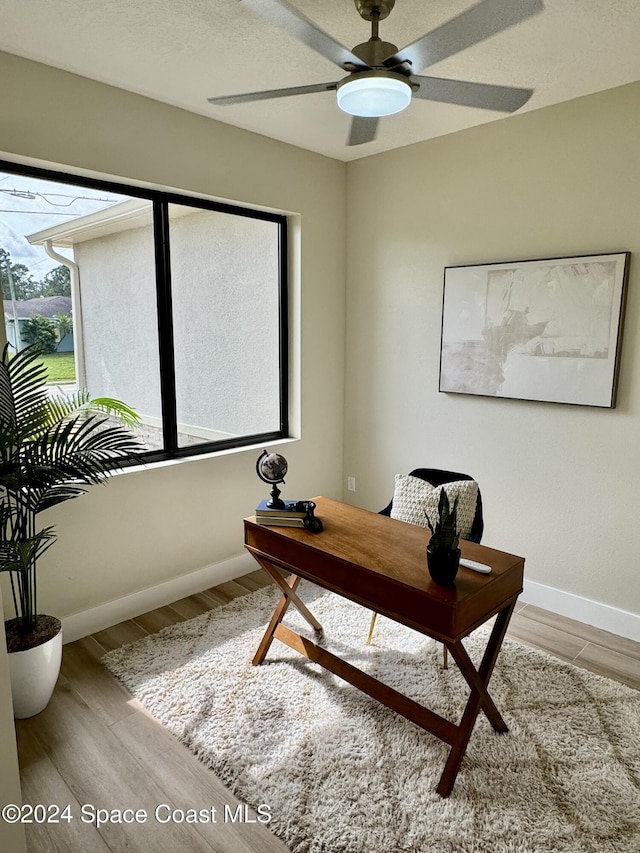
161 200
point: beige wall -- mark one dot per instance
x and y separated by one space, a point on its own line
560 483
148 527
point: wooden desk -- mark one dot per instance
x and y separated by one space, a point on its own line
381 563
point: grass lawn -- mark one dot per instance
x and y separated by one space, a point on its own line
60 367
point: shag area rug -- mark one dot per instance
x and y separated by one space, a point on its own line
343 774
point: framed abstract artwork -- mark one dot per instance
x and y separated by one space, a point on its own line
535 330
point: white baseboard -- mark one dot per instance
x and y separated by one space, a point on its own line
87 622
620 622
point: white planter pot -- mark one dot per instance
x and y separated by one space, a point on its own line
34 673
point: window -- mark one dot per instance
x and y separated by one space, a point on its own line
175 305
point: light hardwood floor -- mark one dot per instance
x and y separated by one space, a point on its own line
96 746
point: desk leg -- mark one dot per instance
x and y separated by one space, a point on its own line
475 682
478 681
278 616
289 596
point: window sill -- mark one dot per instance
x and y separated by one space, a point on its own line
201 457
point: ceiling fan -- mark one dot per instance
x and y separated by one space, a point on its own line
381 79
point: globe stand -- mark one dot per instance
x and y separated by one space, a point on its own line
275 502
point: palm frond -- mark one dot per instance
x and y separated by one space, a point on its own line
65 406
51 450
62 407
58 494
6 399
23 398
20 555
73 454
114 409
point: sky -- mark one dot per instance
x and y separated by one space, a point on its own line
29 204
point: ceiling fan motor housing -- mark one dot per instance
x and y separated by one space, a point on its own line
374 9
374 52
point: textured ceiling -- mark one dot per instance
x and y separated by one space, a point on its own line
183 51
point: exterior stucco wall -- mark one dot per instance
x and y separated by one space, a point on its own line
225 302
224 272
119 326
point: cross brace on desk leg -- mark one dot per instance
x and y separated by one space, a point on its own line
478 680
409 708
289 596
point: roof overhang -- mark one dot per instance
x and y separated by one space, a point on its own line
123 216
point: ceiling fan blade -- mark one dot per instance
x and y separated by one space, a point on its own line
476 24
280 13
362 130
485 96
247 97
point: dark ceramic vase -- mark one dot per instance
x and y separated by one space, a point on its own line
443 565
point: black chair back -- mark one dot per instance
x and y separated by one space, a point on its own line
436 477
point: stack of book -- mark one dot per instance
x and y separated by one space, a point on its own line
289 516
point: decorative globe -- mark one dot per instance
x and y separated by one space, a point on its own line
271 467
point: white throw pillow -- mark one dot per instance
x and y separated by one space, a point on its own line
413 497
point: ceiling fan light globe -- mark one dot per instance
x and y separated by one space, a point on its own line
374 96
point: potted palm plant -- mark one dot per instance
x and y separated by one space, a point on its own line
443 553
51 449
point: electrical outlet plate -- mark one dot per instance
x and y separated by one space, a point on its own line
351 484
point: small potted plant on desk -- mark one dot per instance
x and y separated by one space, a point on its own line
51 448
443 553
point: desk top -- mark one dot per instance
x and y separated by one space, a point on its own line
381 563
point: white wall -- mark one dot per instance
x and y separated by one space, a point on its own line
560 483
148 527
